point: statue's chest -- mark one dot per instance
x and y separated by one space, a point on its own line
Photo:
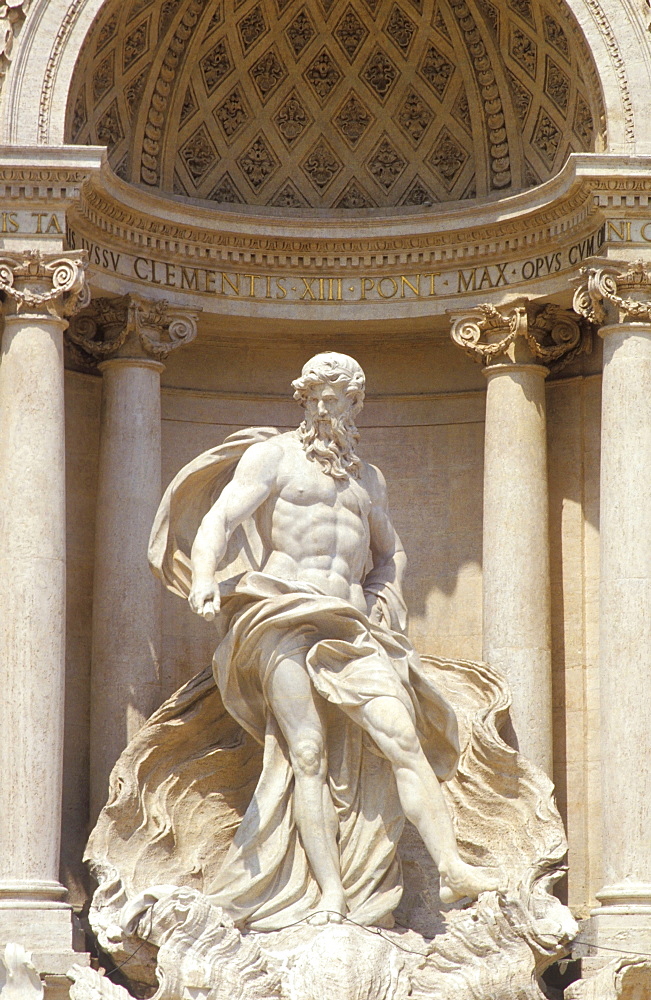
309 486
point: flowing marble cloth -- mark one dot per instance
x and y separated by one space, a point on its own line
265 881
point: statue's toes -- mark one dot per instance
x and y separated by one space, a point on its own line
322 917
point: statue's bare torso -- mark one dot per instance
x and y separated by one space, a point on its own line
316 528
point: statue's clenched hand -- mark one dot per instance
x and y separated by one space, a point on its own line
204 598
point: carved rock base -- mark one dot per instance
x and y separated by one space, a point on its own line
19 979
492 949
172 943
622 979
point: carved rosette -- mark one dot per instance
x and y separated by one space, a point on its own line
51 283
131 326
615 292
522 333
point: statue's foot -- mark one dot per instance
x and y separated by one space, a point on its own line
331 910
461 881
322 917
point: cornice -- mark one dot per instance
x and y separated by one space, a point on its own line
136 219
390 264
47 173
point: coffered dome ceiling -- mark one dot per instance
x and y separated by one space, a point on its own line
335 103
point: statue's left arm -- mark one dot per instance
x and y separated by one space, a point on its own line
383 583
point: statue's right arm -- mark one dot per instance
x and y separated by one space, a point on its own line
252 482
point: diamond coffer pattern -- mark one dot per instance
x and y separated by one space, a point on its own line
380 83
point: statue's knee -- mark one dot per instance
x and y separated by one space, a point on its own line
308 756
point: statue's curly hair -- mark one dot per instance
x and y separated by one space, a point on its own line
329 366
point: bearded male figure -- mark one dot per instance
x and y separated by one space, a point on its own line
296 558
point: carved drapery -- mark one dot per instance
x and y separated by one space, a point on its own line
522 333
132 326
12 15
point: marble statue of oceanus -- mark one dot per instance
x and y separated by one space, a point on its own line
254 843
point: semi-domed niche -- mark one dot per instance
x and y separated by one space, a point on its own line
342 104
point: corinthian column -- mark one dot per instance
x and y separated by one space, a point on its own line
517 346
39 290
130 337
618 299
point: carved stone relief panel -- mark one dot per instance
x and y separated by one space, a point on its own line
335 103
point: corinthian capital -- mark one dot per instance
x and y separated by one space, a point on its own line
44 282
614 291
132 326
521 333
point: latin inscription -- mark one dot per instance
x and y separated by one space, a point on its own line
355 287
32 223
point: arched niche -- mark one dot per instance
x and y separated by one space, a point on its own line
45 61
336 104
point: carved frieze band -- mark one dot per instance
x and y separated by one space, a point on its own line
50 282
131 325
549 335
614 292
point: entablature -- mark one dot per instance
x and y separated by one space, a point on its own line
326 265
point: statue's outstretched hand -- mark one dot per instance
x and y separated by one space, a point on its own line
204 599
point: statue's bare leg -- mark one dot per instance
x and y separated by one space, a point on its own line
295 708
388 722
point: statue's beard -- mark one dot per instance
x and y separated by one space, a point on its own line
331 441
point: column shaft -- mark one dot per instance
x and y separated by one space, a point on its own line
625 614
516 588
126 597
32 604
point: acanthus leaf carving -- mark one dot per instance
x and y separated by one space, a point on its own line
132 325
